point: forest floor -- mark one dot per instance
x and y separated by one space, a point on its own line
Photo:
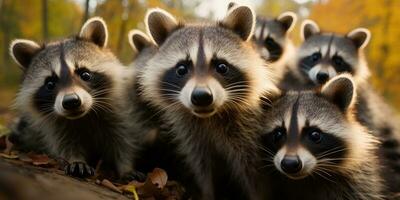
30 176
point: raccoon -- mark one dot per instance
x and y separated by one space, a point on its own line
157 150
271 38
323 56
313 148
209 81
70 94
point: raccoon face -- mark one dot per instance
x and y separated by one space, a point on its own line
322 56
67 78
204 68
270 35
310 132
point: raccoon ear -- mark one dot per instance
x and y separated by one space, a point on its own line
288 20
360 37
231 5
139 40
95 30
309 28
23 51
241 20
160 24
341 91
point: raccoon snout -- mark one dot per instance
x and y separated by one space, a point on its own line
322 77
71 102
291 164
201 97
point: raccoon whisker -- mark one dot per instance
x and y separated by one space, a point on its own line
340 159
102 98
331 151
241 100
104 108
265 149
237 83
238 91
319 173
327 165
161 110
101 92
265 166
170 84
173 91
104 105
244 87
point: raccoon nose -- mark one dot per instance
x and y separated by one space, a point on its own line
71 102
202 97
291 164
322 77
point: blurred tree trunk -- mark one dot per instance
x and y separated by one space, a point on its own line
124 21
86 15
45 20
5 38
385 46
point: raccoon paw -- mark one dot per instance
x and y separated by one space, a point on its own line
134 175
79 170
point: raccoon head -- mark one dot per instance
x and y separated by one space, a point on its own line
271 35
142 46
325 55
205 68
69 78
313 133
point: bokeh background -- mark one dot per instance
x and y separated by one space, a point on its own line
46 20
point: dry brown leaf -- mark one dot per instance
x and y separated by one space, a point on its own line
158 177
39 159
154 184
106 183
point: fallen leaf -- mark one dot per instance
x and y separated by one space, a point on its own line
131 189
158 177
39 159
154 184
106 183
11 155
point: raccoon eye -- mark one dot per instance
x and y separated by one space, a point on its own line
316 56
50 84
181 70
315 136
278 135
269 42
338 61
222 68
85 75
